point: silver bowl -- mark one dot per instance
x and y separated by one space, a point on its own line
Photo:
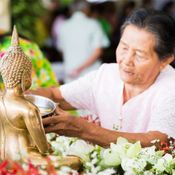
45 105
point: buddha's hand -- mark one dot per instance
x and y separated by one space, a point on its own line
64 124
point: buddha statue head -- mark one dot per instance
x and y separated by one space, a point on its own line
15 66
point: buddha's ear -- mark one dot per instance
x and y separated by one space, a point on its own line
23 81
26 80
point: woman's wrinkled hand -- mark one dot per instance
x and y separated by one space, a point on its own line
63 123
59 111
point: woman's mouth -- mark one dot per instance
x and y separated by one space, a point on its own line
128 72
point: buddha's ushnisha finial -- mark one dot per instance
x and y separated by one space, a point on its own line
15 38
14 63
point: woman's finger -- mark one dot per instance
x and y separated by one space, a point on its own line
54 128
58 110
49 129
50 120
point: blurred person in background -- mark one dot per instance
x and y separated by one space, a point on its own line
59 17
169 8
106 15
147 4
4 16
126 10
81 42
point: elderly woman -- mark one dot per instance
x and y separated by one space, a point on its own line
136 95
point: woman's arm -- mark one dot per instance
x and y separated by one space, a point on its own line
63 124
53 93
104 137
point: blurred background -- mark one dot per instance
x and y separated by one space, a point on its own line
40 21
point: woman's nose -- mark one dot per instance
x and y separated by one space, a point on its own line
129 59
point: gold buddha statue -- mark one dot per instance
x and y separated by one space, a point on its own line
22 135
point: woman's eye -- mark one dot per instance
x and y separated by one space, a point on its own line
125 48
139 57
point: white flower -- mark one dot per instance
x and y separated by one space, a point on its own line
110 158
126 149
133 159
121 141
61 144
66 171
148 173
81 149
134 150
133 166
165 164
150 155
50 136
109 171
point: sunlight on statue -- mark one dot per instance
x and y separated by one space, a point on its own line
22 135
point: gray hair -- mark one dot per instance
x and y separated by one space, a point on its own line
160 25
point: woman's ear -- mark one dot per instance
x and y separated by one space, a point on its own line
171 59
167 61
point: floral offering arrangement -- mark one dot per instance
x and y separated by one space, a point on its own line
120 158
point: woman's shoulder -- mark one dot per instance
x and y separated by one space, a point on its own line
107 74
109 70
167 77
109 67
165 83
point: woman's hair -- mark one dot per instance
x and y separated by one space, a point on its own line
160 25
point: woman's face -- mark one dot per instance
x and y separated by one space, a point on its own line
138 62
